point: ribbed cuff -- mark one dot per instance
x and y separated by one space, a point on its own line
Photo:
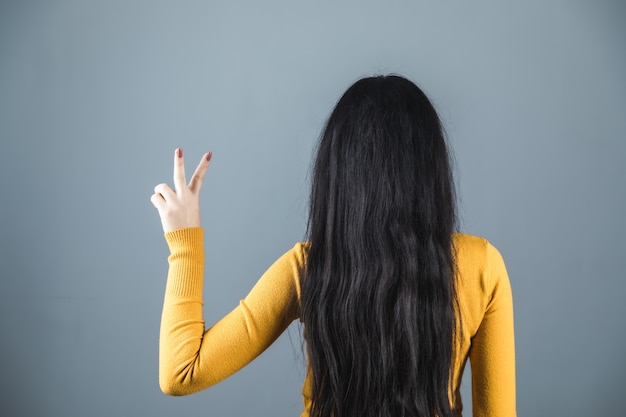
186 262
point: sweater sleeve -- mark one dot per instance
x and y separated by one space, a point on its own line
492 352
191 357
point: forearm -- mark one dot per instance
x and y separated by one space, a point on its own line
182 324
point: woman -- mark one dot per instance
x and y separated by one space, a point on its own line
392 300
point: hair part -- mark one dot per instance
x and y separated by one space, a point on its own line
378 291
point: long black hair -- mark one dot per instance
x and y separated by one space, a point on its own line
378 299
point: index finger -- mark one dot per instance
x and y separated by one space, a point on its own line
179 170
198 175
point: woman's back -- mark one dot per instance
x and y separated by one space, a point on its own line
378 294
392 300
192 358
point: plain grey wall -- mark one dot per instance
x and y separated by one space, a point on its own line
94 97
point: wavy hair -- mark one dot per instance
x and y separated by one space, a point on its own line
378 299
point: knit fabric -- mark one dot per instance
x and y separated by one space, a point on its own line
192 357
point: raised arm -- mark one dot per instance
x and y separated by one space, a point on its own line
191 357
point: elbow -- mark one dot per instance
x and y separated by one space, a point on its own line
179 383
169 386
170 390
174 384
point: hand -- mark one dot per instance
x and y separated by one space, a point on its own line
180 208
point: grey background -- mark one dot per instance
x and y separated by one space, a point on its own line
94 97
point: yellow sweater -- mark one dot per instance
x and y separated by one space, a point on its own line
192 358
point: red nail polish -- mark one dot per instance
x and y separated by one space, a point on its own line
208 156
179 152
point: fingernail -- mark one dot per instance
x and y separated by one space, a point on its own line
179 152
208 156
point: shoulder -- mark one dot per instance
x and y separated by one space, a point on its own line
476 253
298 255
481 275
294 258
286 270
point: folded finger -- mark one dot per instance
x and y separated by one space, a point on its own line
157 201
165 191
